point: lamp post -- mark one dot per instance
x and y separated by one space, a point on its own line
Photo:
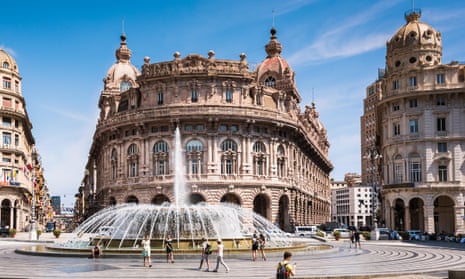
33 232
373 158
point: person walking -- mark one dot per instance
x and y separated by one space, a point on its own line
262 244
284 269
254 246
357 239
146 251
219 256
169 249
206 249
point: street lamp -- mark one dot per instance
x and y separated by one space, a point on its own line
373 157
33 232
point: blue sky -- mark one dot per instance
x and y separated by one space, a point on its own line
64 49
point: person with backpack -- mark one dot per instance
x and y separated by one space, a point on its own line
206 251
254 246
219 257
285 270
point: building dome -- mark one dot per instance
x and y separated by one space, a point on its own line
122 75
414 44
7 61
274 69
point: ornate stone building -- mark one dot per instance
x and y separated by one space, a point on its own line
244 138
17 164
417 145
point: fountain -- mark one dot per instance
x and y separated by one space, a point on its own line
121 228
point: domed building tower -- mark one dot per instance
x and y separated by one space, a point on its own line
244 139
16 149
419 120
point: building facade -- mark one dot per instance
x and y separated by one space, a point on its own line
417 153
18 166
352 204
244 138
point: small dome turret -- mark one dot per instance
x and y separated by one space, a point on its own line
7 62
122 75
414 44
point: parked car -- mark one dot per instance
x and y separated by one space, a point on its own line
307 231
384 234
345 233
5 231
50 227
414 235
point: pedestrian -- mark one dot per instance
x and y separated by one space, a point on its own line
206 250
146 251
284 269
97 250
357 239
352 239
262 244
254 246
169 249
219 256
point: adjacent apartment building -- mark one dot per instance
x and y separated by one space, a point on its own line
413 133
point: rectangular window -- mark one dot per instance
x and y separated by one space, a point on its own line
161 167
413 123
442 146
6 102
228 96
6 138
396 127
442 173
16 140
395 107
440 79
194 96
440 100
413 81
6 122
415 171
6 83
413 103
395 84
398 175
441 124
195 167
160 98
6 160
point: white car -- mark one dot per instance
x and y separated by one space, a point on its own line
414 235
345 233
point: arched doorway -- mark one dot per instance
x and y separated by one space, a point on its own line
160 199
399 215
6 214
196 198
261 205
283 214
231 198
112 201
417 215
444 216
132 199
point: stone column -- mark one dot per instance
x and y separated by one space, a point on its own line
429 218
459 213
392 221
407 218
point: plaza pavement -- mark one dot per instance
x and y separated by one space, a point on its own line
376 259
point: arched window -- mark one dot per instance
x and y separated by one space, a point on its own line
133 160
124 86
194 157
114 164
228 145
281 160
414 167
270 81
229 157
160 158
6 65
259 158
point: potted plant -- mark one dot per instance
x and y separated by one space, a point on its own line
12 232
56 233
39 232
337 235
